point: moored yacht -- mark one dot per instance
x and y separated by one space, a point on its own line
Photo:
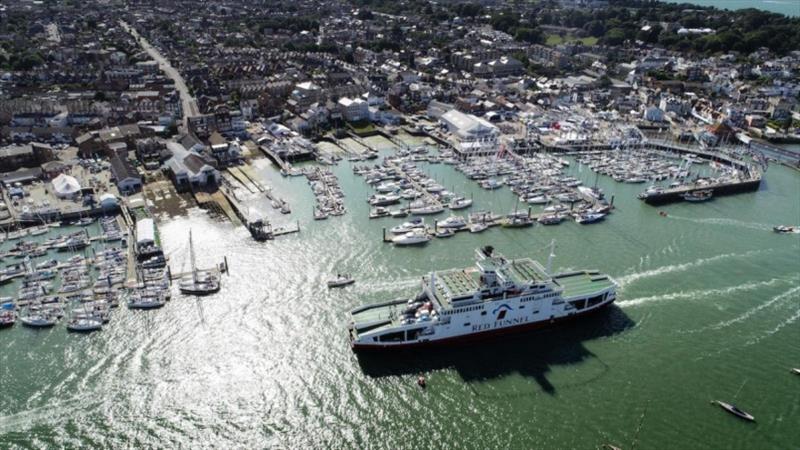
417 236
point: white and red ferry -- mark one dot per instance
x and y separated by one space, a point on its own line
498 296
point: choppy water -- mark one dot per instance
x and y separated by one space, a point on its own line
709 308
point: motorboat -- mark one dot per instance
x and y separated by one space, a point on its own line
7 318
49 264
38 320
452 222
477 227
445 233
414 237
387 187
517 221
550 219
734 410
589 217
86 221
537 200
38 231
426 209
460 203
146 301
341 281
320 214
491 184
379 212
785 229
84 325
384 200
405 227
698 196
403 212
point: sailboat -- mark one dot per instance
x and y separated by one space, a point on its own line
201 282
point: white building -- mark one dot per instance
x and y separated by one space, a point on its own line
190 169
473 135
353 110
66 186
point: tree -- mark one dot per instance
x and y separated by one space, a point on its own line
614 36
530 35
365 14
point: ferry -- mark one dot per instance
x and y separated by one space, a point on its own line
496 297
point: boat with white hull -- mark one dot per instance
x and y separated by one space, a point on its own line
501 296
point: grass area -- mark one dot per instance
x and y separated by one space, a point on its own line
362 128
554 39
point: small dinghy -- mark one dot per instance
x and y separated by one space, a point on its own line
340 281
734 410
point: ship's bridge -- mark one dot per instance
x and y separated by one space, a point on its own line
494 275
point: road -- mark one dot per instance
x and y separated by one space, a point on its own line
188 103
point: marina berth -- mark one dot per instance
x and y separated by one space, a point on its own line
498 296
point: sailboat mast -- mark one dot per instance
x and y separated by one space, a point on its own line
191 256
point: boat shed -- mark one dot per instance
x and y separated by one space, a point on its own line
145 233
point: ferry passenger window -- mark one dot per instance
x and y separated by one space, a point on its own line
393 337
467 324
483 313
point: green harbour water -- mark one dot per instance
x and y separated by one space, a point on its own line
708 308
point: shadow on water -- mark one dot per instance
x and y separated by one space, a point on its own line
529 354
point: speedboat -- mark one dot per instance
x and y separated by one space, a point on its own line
340 281
784 229
452 222
414 237
734 410
84 325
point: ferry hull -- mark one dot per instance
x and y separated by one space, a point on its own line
482 335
